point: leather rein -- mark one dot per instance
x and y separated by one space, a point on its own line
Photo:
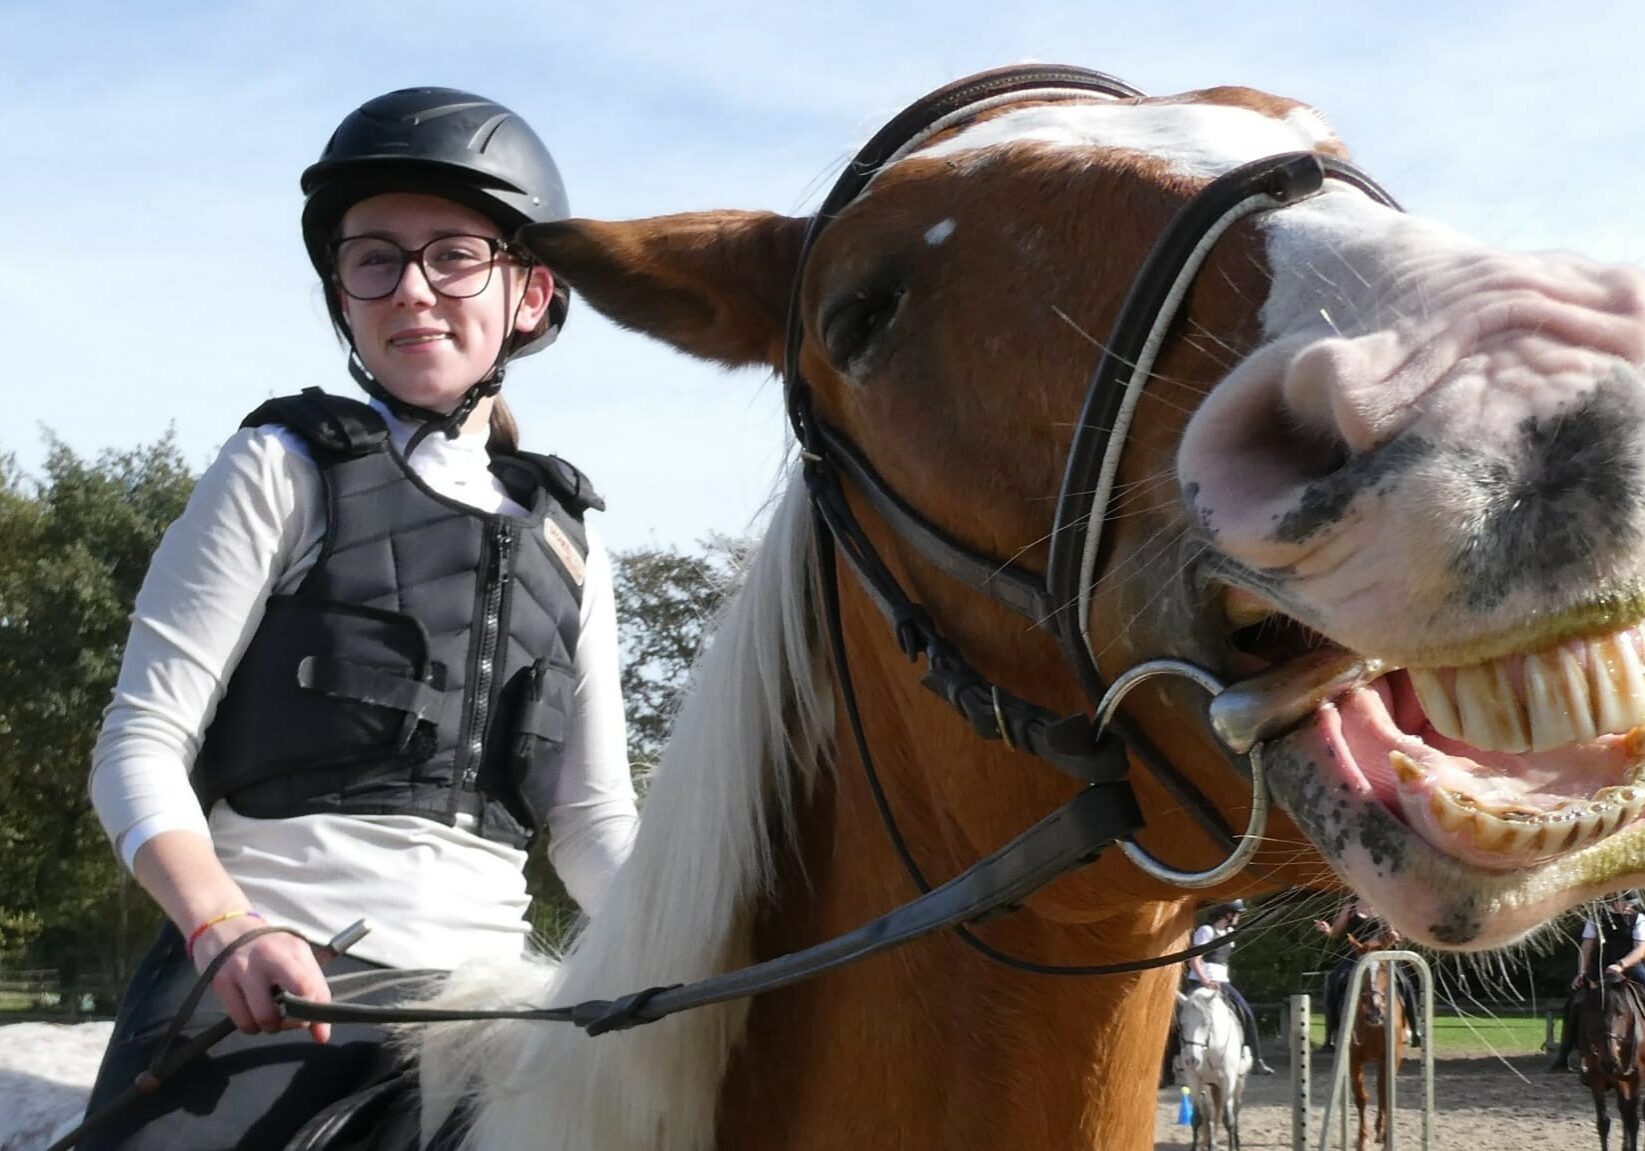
1093 749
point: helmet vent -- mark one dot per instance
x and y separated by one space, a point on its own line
424 115
482 136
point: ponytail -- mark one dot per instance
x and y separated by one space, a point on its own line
505 433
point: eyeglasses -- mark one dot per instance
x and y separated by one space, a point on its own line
457 267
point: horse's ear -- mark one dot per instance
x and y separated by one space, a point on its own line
713 284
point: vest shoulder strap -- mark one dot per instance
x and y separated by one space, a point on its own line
335 425
567 484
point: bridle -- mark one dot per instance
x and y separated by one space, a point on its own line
1095 749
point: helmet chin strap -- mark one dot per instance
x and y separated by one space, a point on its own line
431 419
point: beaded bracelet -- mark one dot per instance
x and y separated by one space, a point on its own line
194 936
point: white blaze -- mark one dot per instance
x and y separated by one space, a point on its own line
1311 246
1199 140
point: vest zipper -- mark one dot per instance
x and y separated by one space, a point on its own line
486 666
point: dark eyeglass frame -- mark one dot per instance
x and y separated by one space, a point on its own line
499 249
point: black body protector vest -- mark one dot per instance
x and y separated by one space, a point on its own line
424 666
1616 936
1365 928
1223 953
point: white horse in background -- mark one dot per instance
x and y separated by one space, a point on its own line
46 1072
1214 1062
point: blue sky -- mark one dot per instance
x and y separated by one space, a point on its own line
153 274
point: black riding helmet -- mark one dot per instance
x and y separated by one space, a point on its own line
440 142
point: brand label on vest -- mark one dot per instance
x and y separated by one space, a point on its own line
565 549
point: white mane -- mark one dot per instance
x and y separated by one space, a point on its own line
679 909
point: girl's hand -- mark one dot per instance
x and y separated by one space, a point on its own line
1322 927
245 984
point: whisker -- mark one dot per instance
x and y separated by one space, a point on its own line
1105 350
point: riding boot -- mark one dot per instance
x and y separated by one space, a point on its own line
1567 1038
1336 991
1413 1018
1248 1024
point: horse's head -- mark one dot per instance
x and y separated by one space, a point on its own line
1391 481
1609 1025
1194 1026
1373 999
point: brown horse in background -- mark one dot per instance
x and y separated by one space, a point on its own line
1611 1039
1311 497
1380 1009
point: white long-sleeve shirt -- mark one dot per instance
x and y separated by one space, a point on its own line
435 895
1216 972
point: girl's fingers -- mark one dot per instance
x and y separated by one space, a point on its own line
247 985
306 981
234 1002
259 993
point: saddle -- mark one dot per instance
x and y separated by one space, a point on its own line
383 1115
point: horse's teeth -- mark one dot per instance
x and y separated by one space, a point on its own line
1407 769
1572 693
1447 811
1610 818
1557 699
1561 836
1615 679
1516 831
1500 835
1490 711
1437 703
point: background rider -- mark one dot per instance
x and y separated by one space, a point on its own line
1613 943
1212 970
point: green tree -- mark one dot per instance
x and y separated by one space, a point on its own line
74 547
667 600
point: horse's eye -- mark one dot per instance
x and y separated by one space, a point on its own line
852 323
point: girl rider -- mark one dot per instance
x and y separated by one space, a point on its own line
376 656
1211 970
1358 921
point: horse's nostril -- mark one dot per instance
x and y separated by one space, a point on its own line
1319 455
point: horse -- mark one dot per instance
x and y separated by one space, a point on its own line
1310 496
1380 1010
1103 405
1610 1030
1424 608
46 1072
1214 1062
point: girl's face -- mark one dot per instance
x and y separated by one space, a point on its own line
427 348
